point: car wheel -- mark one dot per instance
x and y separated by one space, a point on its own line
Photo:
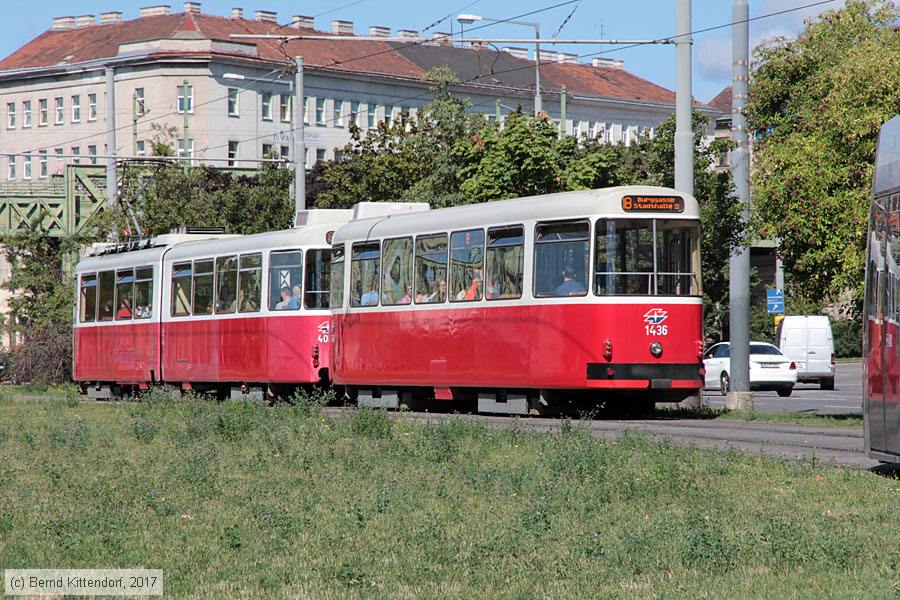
723 383
827 383
785 392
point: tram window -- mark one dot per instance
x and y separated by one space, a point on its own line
317 286
337 276
250 282
397 284
88 305
285 279
203 287
505 263
561 251
124 294
106 291
226 284
143 292
181 289
677 258
624 257
431 269
364 266
466 265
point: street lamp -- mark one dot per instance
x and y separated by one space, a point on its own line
466 19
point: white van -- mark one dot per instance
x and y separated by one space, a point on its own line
808 342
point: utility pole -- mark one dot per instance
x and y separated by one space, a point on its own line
562 112
538 102
739 395
299 142
111 181
684 134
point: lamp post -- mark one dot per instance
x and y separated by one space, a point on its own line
466 19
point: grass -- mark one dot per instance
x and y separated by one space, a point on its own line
786 418
236 499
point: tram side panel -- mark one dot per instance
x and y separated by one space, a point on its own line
535 346
123 354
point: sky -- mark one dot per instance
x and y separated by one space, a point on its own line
592 19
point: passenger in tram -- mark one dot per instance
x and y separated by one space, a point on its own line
124 309
407 298
570 286
294 302
473 292
285 299
106 313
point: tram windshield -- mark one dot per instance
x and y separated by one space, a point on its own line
647 257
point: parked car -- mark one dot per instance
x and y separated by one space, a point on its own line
809 343
770 370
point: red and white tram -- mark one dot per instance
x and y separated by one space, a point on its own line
517 303
222 312
881 336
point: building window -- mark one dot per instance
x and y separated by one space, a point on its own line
11 173
267 106
354 113
372 116
11 115
186 149
267 151
139 106
92 107
76 109
284 108
76 151
320 154
340 116
233 107
232 152
320 112
306 157
26 166
306 111
60 162
92 152
26 113
189 100
60 111
338 155
140 148
43 112
285 152
43 169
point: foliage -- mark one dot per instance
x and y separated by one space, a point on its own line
170 196
41 304
254 502
847 334
817 103
762 325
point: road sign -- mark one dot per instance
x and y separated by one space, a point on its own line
775 301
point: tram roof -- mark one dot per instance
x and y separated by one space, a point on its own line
887 161
547 207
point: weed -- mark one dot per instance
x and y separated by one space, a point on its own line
371 423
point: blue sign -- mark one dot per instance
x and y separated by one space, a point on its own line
775 302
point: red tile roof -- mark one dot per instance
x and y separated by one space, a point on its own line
405 60
722 101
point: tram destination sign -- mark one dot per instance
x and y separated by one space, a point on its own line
635 203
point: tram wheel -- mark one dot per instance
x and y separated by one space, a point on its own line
724 382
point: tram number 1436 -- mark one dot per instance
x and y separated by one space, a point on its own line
656 329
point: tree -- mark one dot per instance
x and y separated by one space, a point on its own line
816 104
41 303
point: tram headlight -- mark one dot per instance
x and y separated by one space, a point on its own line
656 349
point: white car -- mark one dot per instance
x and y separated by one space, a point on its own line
770 369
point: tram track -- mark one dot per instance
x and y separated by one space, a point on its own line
842 446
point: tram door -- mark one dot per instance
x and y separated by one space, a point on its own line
874 328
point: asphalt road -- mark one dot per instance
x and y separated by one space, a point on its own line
846 398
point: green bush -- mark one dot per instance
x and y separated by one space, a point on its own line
847 337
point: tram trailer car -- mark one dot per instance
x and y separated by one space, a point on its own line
236 314
881 350
522 303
